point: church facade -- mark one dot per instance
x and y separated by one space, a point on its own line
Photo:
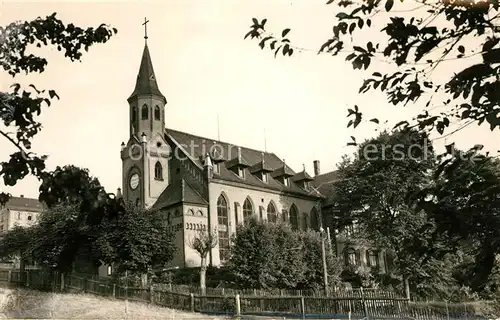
206 184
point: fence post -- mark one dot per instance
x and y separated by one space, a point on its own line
84 285
9 276
238 305
62 281
151 294
365 308
27 278
114 290
303 307
191 300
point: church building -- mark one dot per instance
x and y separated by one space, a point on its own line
205 184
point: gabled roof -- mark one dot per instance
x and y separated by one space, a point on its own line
302 176
260 167
197 147
146 79
324 183
24 204
176 193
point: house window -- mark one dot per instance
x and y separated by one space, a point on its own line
314 219
264 177
216 168
157 113
372 258
306 185
19 216
241 173
158 171
144 112
271 213
350 257
247 210
223 228
294 217
110 270
29 218
286 182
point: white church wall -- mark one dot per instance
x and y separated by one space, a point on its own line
236 196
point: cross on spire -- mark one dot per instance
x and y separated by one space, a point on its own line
145 24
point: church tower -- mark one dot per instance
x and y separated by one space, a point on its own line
145 157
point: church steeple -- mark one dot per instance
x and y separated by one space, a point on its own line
146 80
147 103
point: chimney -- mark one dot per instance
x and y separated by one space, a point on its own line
119 193
316 168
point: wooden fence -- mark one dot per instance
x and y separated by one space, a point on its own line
356 304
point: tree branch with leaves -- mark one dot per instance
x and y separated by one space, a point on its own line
416 42
20 107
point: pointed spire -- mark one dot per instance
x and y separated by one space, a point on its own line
146 79
303 167
262 157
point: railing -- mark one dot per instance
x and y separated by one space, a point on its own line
357 304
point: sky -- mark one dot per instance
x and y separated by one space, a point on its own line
293 106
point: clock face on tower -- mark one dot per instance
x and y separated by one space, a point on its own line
134 181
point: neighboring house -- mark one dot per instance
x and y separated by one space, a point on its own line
202 183
19 211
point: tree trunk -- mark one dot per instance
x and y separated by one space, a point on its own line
144 280
203 275
407 287
22 270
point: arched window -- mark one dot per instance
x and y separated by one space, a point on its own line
247 210
305 221
157 113
223 228
144 112
294 217
134 114
271 213
314 224
169 218
158 171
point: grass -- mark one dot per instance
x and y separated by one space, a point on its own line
28 304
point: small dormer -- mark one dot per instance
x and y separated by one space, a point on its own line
217 157
261 170
283 174
238 165
303 179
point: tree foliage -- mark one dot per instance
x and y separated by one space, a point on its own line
268 256
464 204
436 213
135 240
83 222
416 38
20 107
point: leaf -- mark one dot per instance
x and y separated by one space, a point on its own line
375 120
255 21
285 32
53 94
388 5
461 49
